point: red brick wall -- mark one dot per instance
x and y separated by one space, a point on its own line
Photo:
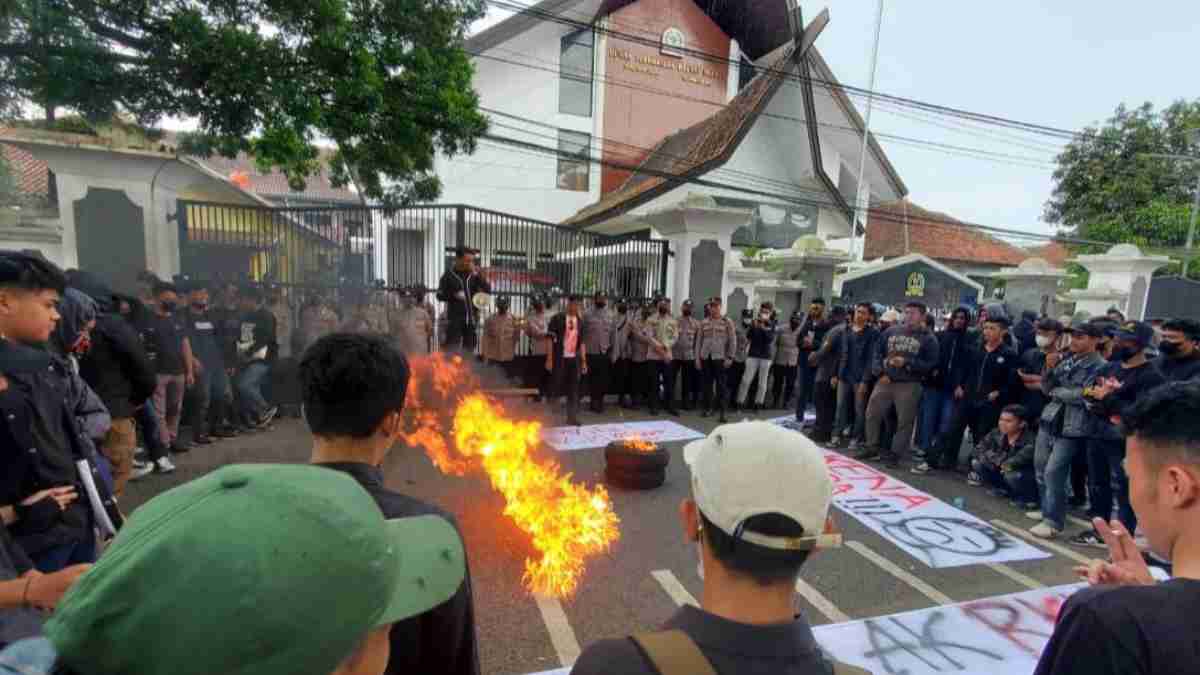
635 119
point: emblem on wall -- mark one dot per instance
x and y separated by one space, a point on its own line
673 42
916 285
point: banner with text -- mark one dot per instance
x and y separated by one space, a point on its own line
565 439
924 526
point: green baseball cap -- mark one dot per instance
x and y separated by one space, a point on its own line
253 569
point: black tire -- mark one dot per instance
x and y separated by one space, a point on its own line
640 480
624 458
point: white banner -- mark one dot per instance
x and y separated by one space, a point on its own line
924 526
1003 635
566 439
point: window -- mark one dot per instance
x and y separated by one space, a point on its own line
575 74
573 165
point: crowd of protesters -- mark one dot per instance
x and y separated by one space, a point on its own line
346 576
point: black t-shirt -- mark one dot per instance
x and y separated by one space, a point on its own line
760 342
731 647
203 337
163 338
1128 630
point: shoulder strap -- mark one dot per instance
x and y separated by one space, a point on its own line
673 653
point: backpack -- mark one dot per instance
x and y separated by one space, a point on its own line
672 652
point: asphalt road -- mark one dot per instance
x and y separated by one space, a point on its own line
630 589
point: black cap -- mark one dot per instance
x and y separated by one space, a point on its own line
1051 325
1088 328
1138 331
687 303
747 313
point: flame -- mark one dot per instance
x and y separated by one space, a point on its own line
567 522
638 443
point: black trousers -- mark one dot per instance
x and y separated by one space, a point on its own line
825 399
622 378
566 383
807 384
660 372
733 380
533 373
641 375
598 380
979 417
714 383
783 381
461 337
689 386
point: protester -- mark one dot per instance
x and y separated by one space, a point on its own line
599 333
568 362
1065 427
759 502
983 387
164 334
787 356
811 336
906 355
26 593
306 547
1034 362
939 405
1115 315
761 338
1003 459
457 289
1127 623
683 363
854 375
714 354
826 359
1115 390
211 381
354 389
1180 348
741 354
257 350
663 332
228 317
500 336
1024 332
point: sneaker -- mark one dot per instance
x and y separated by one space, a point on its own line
865 453
1088 538
1044 530
180 447
921 469
1025 506
975 480
267 416
889 459
164 465
203 439
1034 515
141 470
919 455
998 492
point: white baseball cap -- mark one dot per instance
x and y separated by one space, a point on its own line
753 468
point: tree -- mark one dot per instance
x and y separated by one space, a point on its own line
386 81
1107 189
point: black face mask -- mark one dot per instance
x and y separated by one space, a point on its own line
621 309
645 314
1121 354
663 310
600 304
168 307
199 306
687 311
1168 348
795 323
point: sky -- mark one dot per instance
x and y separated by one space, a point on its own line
1060 63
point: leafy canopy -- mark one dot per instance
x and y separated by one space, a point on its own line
386 81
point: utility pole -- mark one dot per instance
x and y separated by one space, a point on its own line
863 198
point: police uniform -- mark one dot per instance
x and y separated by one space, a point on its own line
715 348
639 347
599 330
619 380
500 335
536 324
684 365
662 329
412 329
783 372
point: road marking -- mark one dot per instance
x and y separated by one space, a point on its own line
1038 541
673 588
822 603
900 573
561 634
1027 582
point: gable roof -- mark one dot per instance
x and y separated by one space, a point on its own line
875 268
693 151
30 175
936 235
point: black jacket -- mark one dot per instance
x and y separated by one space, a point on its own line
954 355
987 372
258 328
917 346
116 367
1179 370
858 354
461 311
443 639
228 321
558 330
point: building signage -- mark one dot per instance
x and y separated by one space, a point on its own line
673 42
916 285
655 66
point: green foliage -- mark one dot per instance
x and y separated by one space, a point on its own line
387 81
1108 189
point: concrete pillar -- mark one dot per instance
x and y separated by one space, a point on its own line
1121 276
1032 285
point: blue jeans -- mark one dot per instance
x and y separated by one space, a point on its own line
937 412
64 555
1106 479
209 396
249 388
1020 484
1052 462
151 433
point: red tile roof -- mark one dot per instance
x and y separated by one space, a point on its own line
1056 253
695 150
31 174
937 235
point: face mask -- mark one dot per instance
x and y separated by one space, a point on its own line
687 311
199 306
795 323
764 317
1168 348
662 310
621 310
600 304
746 322
1124 353
645 314
167 307
1043 341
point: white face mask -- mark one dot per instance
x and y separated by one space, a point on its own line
1043 341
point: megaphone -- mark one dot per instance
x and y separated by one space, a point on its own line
481 300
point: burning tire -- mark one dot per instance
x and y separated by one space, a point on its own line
635 480
635 464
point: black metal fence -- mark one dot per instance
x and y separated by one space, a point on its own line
339 247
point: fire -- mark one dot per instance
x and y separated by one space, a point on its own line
638 443
567 522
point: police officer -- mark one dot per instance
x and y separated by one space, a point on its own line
536 322
500 334
715 348
663 331
684 363
599 331
740 353
410 325
787 354
619 354
639 341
